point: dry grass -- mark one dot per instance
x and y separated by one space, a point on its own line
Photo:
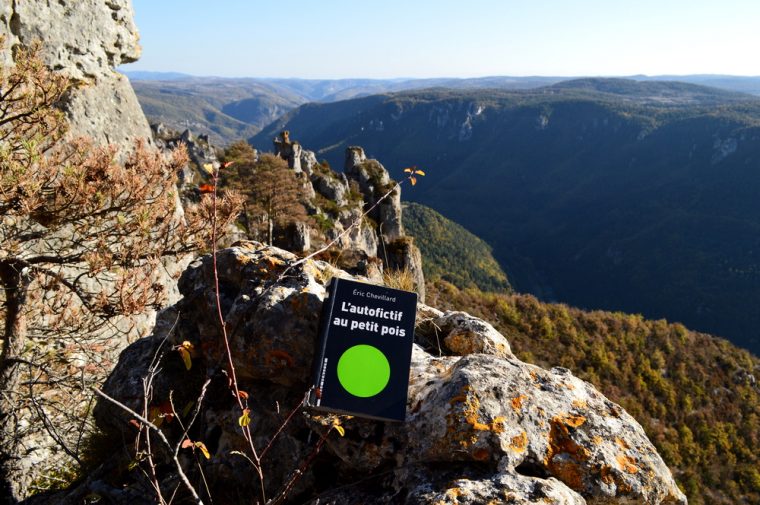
399 279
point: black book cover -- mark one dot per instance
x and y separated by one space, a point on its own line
364 351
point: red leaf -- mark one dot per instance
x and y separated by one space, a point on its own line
134 423
206 188
243 395
226 164
187 443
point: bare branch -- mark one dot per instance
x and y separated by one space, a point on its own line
163 439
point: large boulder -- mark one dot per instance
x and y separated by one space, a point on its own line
481 425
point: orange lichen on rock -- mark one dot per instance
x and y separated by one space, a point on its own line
564 455
580 404
465 342
606 474
274 263
517 402
466 406
626 463
519 442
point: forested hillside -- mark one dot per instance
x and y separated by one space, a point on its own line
696 396
609 194
451 252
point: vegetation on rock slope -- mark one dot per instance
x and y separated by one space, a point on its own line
451 252
606 194
695 395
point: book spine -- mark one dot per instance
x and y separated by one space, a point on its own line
314 398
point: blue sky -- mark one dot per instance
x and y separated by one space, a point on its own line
446 38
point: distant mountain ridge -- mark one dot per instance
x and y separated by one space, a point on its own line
231 108
614 194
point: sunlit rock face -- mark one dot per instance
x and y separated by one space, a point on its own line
482 426
86 40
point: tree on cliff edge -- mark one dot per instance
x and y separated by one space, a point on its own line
83 231
273 193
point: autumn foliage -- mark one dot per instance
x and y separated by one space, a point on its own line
86 231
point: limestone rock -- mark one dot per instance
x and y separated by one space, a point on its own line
402 254
374 182
85 40
308 161
389 216
330 185
480 427
464 334
354 156
288 150
298 237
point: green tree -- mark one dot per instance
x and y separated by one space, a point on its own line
274 194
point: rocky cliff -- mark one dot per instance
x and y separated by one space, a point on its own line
482 426
85 40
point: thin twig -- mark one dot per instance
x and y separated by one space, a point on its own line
298 473
161 436
283 425
223 325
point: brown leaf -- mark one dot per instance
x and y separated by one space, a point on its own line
185 355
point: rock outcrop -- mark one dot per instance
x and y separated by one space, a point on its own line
288 150
481 426
374 182
199 150
85 40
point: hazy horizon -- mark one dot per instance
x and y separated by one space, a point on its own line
342 39
128 69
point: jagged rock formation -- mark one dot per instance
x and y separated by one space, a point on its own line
199 150
288 150
374 181
85 40
342 198
481 426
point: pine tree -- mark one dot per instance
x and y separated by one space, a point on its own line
274 195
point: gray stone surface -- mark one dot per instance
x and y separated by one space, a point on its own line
85 40
483 427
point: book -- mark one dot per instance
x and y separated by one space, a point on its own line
364 351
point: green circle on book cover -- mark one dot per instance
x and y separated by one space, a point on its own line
363 370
